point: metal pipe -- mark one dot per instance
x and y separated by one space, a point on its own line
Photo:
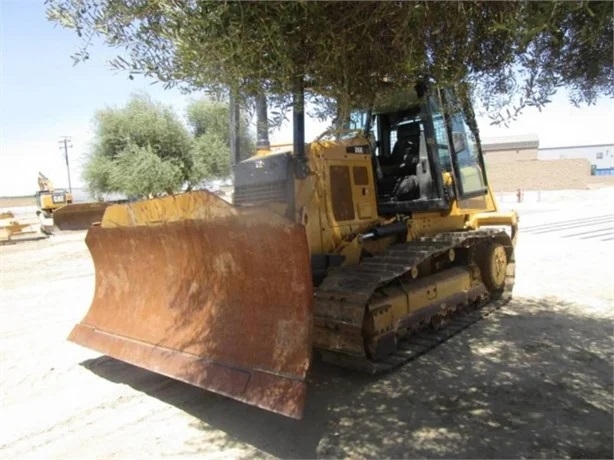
395 228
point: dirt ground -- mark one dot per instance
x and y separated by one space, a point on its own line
11 201
534 380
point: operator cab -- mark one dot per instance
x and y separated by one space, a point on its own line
416 144
401 159
422 156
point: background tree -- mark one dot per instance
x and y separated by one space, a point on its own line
209 122
506 55
144 149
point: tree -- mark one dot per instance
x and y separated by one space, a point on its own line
501 53
140 150
209 122
144 149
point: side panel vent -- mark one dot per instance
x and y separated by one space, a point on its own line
341 193
261 193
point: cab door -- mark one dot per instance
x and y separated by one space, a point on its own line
467 160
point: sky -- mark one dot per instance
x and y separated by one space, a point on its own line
44 97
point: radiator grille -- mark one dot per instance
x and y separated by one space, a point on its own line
261 193
341 193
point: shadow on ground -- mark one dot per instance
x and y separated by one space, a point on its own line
533 380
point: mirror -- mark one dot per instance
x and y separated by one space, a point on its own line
458 141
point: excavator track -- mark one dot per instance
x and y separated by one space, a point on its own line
342 298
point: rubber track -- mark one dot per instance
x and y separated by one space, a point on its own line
358 283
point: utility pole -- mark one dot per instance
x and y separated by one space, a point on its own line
65 145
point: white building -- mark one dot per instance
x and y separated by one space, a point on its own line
506 149
600 156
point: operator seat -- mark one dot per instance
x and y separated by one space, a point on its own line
406 150
400 181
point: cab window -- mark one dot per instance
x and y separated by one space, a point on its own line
440 132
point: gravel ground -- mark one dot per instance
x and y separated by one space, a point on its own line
533 380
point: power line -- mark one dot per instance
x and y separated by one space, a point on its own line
66 145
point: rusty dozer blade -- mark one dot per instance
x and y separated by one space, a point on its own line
79 216
192 288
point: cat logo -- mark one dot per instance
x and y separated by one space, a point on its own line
361 149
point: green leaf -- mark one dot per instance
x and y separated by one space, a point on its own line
344 49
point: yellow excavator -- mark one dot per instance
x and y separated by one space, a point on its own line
57 205
368 246
48 198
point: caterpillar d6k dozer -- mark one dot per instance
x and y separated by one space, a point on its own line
369 245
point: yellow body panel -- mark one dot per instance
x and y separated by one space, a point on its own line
405 299
47 202
187 206
315 204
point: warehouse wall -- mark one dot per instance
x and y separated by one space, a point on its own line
509 156
539 175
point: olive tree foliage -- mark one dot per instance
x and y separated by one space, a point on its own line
503 56
210 127
144 150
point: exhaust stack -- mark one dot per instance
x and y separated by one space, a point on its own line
298 117
235 154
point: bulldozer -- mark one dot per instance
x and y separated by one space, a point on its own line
57 210
366 248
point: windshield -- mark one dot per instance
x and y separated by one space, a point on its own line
358 120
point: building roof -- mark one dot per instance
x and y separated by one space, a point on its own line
566 147
520 142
